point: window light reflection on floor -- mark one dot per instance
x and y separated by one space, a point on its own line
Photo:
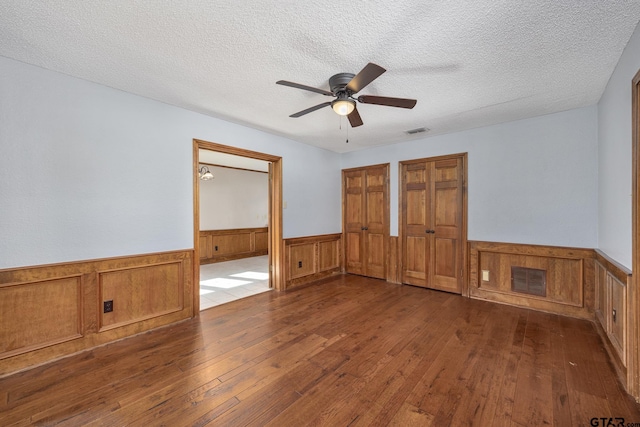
252 275
220 282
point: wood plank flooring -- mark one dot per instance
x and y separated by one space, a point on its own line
348 351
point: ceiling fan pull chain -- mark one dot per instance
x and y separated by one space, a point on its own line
347 132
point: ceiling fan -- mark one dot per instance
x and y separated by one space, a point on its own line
343 88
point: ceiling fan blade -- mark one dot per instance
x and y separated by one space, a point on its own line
355 119
303 87
390 102
311 109
369 73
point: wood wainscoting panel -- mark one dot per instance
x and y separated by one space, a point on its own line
206 250
261 240
612 316
226 245
569 274
312 258
141 293
559 273
618 315
302 260
39 314
328 255
231 244
51 311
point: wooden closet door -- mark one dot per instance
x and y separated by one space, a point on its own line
376 226
354 220
432 215
416 236
366 220
445 265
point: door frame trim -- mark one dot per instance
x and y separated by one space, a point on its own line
633 297
276 252
465 250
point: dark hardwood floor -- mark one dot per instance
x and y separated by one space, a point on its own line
345 352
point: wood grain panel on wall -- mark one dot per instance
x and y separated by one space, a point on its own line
38 314
225 245
50 311
231 244
312 258
261 240
612 316
328 255
564 276
141 293
302 260
205 247
570 276
618 327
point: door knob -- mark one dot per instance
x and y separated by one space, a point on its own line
430 231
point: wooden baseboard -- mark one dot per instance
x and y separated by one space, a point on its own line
569 276
51 311
311 258
617 363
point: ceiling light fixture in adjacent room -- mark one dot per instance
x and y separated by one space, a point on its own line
205 174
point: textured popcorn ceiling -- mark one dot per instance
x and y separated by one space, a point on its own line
468 63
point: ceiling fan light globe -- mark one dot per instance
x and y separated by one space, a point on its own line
343 107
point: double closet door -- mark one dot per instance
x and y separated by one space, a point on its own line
432 222
365 196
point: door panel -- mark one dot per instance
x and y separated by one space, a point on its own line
415 238
375 255
445 262
432 207
446 211
376 228
415 272
447 220
375 208
354 253
415 207
353 221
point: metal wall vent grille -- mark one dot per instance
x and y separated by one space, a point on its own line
529 281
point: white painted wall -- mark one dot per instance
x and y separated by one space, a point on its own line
615 157
77 169
234 199
530 181
89 172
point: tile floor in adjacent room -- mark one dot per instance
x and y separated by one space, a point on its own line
227 281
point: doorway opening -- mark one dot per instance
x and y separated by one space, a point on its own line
229 247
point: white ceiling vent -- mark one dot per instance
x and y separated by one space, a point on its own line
417 130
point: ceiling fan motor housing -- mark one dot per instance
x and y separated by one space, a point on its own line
338 82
